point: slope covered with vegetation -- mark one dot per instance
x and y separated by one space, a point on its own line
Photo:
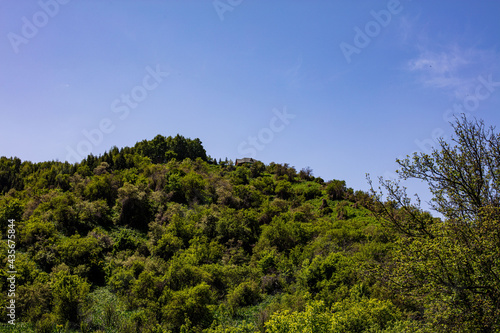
160 237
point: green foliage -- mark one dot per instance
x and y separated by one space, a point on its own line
93 214
264 185
168 245
309 190
103 311
145 289
447 270
18 328
328 277
83 255
37 233
364 315
336 189
9 174
10 209
69 294
315 319
284 234
133 206
244 327
159 238
61 211
48 324
194 185
103 187
125 239
241 176
34 299
246 293
173 186
162 149
283 189
181 275
189 305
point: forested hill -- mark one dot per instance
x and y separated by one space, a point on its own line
14 173
160 237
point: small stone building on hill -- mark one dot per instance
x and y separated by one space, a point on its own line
240 161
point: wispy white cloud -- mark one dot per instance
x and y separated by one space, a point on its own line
452 68
293 74
407 27
439 63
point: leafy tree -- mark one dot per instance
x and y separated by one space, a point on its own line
92 214
69 292
83 255
146 289
237 226
134 207
34 299
194 187
257 169
173 186
162 149
336 189
10 208
241 175
449 269
9 174
282 171
284 234
328 276
306 174
191 305
314 319
309 191
168 242
104 186
168 245
364 315
181 275
265 185
102 168
247 196
40 237
246 293
125 239
283 189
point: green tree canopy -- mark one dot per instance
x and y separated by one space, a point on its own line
450 268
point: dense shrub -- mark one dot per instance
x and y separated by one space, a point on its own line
153 238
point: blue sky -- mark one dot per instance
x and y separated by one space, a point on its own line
344 87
